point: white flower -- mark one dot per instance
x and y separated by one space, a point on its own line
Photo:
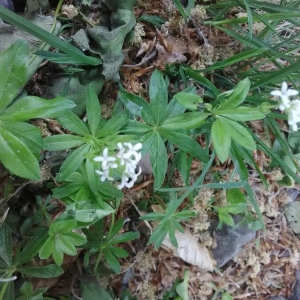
106 160
125 162
293 114
104 175
284 95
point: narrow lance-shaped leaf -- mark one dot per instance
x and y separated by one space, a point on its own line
47 37
159 160
137 106
71 122
189 120
93 109
158 96
185 143
62 142
34 107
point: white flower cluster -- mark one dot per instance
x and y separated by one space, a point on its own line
125 162
291 107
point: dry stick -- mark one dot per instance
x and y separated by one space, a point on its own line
146 222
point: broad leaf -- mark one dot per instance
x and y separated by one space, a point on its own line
221 139
16 157
239 134
34 107
237 96
158 96
28 134
14 64
159 160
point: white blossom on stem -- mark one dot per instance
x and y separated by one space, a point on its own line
104 175
125 162
107 161
284 95
293 114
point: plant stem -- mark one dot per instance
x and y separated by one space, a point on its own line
5 284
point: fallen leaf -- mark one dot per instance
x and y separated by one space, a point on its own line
190 250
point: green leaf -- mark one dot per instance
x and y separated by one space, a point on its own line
221 139
62 226
189 120
94 290
159 160
26 288
89 215
92 178
124 237
182 288
71 122
202 80
237 96
5 244
58 255
135 127
158 96
48 271
64 244
239 134
188 100
32 247
47 37
118 252
47 248
113 125
242 113
137 106
62 142
72 163
14 64
112 261
174 109
34 107
185 143
16 157
225 217
28 134
75 238
93 109
65 190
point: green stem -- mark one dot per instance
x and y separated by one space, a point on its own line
5 284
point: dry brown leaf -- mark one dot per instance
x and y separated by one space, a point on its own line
190 250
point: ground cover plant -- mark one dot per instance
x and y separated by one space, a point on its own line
132 133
